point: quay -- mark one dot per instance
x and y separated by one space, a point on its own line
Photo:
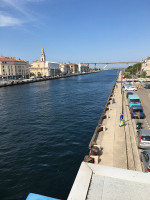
113 169
25 81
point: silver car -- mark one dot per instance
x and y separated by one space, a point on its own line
145 158
144 139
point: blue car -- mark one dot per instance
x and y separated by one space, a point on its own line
134 99
137 112
147 86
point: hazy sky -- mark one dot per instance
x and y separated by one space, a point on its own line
75 30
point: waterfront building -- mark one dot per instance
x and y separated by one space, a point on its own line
73 67
38 66
44 68
83 68
53 68
146 66
13 68
64 68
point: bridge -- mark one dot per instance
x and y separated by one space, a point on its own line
107 63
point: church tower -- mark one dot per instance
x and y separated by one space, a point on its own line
43 58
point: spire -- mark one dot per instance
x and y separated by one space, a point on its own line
42 51
43 58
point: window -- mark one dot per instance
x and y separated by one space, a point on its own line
146 138
134 100
137 110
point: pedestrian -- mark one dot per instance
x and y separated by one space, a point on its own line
121 117
121 120
121 123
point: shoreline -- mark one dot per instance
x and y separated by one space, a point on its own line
26 81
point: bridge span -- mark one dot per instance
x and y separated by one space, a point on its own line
107 63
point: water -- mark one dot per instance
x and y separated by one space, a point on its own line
45 130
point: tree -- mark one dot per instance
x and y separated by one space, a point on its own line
133 70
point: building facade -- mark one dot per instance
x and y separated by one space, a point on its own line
53 68
64 68
73 68
44 68
83 68
13 68
146 66
38 67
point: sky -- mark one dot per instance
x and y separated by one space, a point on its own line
75 30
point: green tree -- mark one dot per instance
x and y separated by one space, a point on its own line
143 75
133 70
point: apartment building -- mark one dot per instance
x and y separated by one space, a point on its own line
13 68
146 66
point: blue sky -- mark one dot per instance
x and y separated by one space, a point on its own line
75 30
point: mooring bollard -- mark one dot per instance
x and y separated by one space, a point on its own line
113 100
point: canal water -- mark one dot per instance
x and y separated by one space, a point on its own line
45 130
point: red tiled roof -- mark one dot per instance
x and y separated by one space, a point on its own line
11 59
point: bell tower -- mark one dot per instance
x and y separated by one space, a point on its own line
43 58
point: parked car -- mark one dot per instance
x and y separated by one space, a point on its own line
145 158
144 139
147 86
137 112
130 88
32 77
134 99
128 93
127 85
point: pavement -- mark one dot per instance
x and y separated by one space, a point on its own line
119 143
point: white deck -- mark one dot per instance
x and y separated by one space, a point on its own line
99 182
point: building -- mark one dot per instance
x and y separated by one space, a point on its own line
83 68
38 67
64 68
73 68
53 68
44 68
95 181
13 68
146 66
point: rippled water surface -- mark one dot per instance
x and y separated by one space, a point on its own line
45 129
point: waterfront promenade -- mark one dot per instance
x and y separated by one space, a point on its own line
118 144
117 173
